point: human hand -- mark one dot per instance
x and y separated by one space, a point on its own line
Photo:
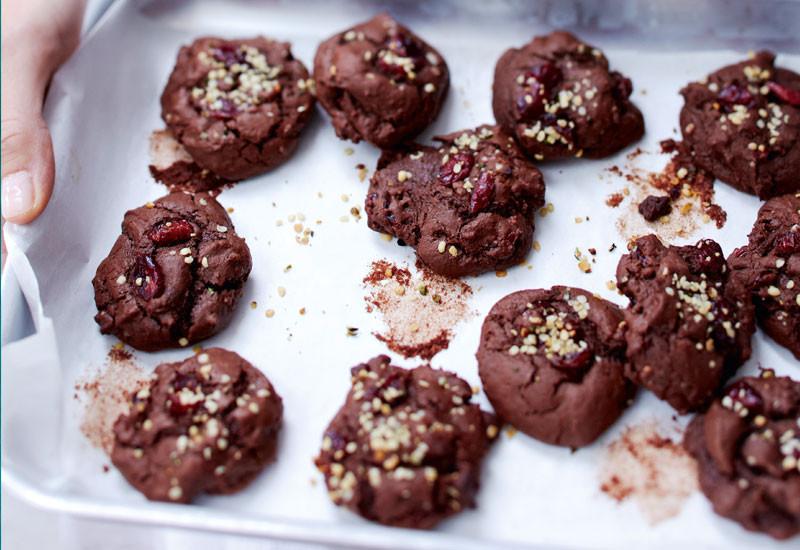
37 37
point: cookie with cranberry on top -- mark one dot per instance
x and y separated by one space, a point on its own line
688 327
747 447
466 207
174 276
208 424
557 96
237 106
768 268
406 447
380 82
552 364
742 124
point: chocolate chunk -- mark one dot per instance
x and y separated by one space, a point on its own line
654 207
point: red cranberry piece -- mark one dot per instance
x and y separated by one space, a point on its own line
788 243
705 257
146 270
743 393
547 74
227 109
574 361
788 95
482 192
228 54
623 87
180 382
393 70
456 168
733 94
170 232
530 111
654 207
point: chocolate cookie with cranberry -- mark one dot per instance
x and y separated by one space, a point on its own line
237 106
768 268
552 364
208 424
742 124
174 276
406 447
380 82
557 96
747 448
689 329
466 207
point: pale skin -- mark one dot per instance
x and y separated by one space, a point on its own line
38 36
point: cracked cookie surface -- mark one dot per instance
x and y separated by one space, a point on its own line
466 207
174 276
552 364
379 82
406 447
238 107
208 424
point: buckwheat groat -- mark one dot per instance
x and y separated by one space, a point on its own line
689 329
552 364
742 124
208 424
768 268
380 82
747 448
174 276
237 106
406 447
466 207
557 96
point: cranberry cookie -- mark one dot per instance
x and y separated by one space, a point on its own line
557 96
208 424
380 82
174 276
466 207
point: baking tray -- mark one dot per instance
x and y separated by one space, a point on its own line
102 107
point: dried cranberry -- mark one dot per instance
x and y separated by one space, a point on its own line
228 54
181 381
482 192
704 257
623 87
722 311
743 393
529 111
733 94
227 109
170 232
790 96
574 361
547 74
147 273
788 243
457 167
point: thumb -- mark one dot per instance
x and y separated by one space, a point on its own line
27 164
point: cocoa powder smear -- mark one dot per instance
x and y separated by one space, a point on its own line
651 468
105 395
418 310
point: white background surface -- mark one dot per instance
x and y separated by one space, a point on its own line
100 135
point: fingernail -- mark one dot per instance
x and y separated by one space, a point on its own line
18 194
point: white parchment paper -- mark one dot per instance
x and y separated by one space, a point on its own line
102 108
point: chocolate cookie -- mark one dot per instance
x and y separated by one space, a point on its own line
380 82
174 276
552 364
207 424
237 106
406 447
768 268
688 328
747 448
466 207
742 124
557 96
